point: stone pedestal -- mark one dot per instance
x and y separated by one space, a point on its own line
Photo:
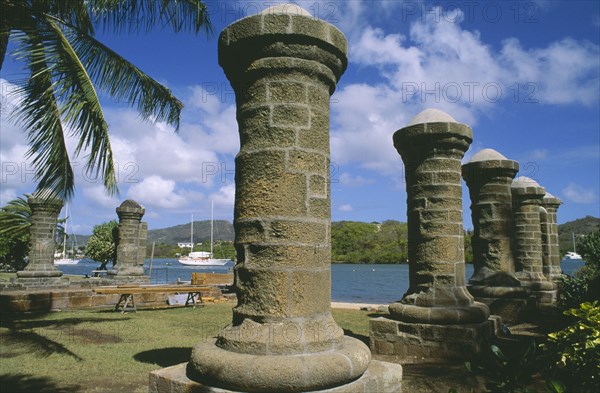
380 377
131 243
40 271
283 65
431 147
551 259
489 176
425 343
527 198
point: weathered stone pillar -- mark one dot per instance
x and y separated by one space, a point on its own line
40 271
131 242
283 65
552 269
437 318
527 198
489 176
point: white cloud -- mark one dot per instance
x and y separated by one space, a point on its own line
443 66
98 194
155 191
7 195
347 179
578 194
225 196
345 208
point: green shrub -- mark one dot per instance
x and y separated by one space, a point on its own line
573 354
506 374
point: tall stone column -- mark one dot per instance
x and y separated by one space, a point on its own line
527 198
489 176
131 242
437 308
40 271
552 269
283 65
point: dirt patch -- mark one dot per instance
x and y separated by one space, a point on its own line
93 336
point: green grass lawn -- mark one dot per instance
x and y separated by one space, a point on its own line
105 351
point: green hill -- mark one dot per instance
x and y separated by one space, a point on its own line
581 226
223 230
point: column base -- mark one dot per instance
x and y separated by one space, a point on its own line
39 273
512 304
421 342
380 377
127 272
279 373
41 282
123 279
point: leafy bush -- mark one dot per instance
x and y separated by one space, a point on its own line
584 286
506 374
573 354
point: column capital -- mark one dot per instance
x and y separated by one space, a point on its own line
550 201
527 190
432 129
486 164
45 199
131 210
284 34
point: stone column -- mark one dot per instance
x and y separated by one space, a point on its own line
40 271
283 65
552 269
527 198
131 242
489 176
437 309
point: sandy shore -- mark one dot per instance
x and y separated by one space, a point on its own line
356 306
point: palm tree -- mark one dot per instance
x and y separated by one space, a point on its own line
55 40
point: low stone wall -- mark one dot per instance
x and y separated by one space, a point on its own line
77 299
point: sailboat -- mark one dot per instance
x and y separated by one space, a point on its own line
62 258
203 258
572 255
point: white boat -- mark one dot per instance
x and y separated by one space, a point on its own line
572 255
62 258
202 258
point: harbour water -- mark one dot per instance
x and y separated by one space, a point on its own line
355 283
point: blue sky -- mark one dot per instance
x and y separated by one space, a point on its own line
525 75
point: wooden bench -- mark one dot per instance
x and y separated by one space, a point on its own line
219 279
126 292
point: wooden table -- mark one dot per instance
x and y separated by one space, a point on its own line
126 301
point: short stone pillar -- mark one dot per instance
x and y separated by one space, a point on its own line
551 258
283 65
131 242
437 317
40 271
527 198
489 176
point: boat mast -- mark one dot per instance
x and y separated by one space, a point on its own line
192 234
574 248
212 216
64 253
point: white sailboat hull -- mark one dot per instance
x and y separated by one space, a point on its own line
572 256
203 262
66 261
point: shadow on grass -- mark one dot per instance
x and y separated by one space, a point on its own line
164 357
41 337
25 383
361 337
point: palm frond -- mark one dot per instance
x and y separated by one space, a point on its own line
39 114
81 108
125 82
15 217
143 15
